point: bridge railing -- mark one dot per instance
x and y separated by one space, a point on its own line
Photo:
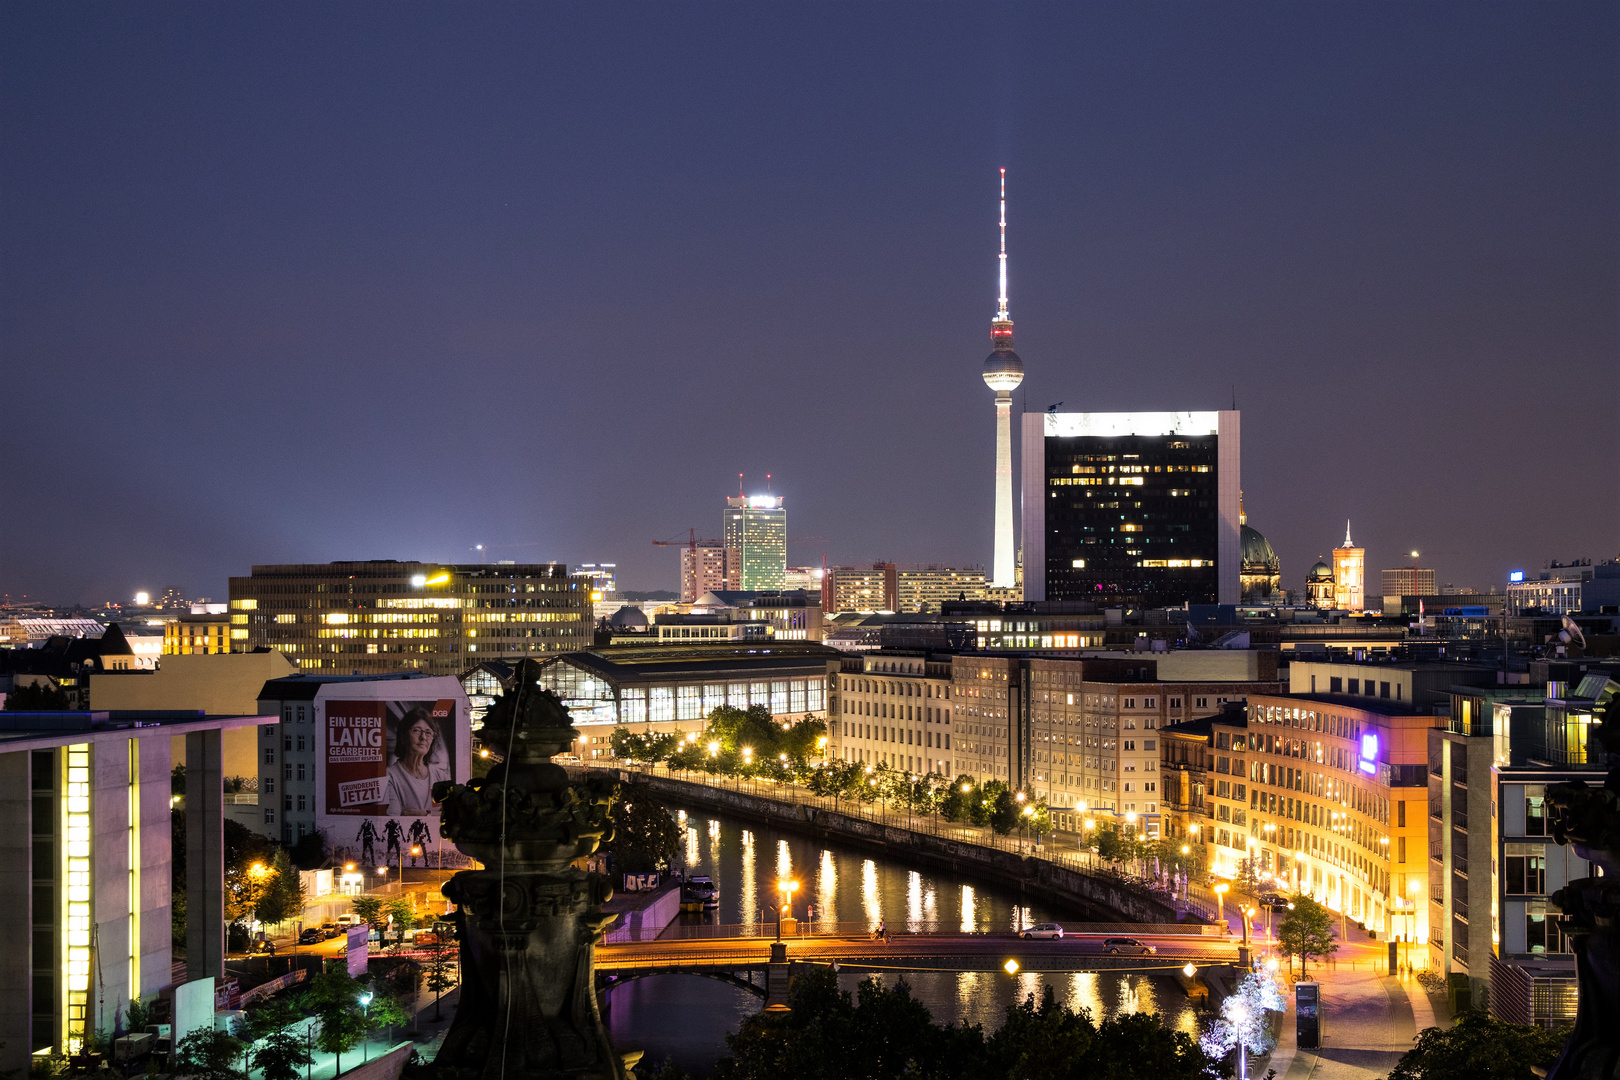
824 928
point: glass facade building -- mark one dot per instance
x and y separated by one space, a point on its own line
756 526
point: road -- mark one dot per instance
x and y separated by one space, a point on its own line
977 952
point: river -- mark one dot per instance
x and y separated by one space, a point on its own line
686 1018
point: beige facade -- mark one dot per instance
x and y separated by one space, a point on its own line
895 710
1327 797
197 634
1407 581
926 588
709 568
216 685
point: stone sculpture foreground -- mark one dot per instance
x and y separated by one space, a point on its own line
529 921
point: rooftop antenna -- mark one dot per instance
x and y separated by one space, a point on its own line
739 485
1001 303
767 483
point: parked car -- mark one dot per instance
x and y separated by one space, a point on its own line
1048 930
1123 946
348 919
261 946
1275 902
311 936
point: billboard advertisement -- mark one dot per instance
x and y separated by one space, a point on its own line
379 754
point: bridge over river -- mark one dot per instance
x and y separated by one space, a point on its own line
739 959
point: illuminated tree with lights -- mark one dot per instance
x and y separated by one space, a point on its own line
1243 1024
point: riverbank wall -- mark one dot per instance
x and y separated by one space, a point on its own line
1099 898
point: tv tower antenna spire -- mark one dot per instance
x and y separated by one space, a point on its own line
1001 306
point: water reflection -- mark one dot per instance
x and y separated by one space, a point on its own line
688 1018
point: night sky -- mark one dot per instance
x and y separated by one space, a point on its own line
285 283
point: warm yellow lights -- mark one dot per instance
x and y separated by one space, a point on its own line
1010 967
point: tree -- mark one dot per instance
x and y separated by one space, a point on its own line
369 910
310 851
280 1055
402 916
441 974
208 1054
40 697
1307 932
282 895
334 999
1478 1047
645 836
1243 1024
956 803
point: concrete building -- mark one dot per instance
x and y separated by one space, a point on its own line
676 629
709 567
387 616
894 709
1567 590
673 688
1135 510
930 588
1493 866
756 527
85 866
861 588
1080 733
205 630
332 761
214 684
1424 686
1407 581
1325 795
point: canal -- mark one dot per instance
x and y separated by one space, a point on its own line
686 1018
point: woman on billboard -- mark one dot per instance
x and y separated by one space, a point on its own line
420 761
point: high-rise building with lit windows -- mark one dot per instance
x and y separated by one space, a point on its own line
371 618
756 527
1132 509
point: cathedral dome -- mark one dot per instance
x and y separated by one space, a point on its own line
629 618
1320 572
1257 554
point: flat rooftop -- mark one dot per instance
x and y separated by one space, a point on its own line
42 730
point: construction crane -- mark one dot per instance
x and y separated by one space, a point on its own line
691 542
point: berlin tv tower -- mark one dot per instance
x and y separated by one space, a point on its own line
1003 371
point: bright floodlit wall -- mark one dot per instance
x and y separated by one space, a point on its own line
1132 509
1326 797
386 616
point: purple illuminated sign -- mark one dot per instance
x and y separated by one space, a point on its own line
1369 753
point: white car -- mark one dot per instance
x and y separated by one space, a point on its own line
1049 930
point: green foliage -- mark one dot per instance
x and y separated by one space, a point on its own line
641 746
281 1055
1478 1047
883 1033
404 918
645 836
1003 807
736 731
137 1016
441 972
1307 931
244 886
334 998
209 1054
41 697
956 801
281 896
369 910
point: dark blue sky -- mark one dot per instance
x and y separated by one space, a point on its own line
299 283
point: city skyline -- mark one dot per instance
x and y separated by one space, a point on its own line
339 314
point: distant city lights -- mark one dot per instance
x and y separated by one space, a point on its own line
143 598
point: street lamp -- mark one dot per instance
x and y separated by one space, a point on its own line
365 1011
787 889
1220 898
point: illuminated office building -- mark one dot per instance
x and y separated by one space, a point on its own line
1408 581
1132 509
756 527
381 616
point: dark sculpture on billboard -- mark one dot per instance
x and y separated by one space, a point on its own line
1588 818
529 921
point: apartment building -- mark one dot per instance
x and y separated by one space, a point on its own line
895 709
